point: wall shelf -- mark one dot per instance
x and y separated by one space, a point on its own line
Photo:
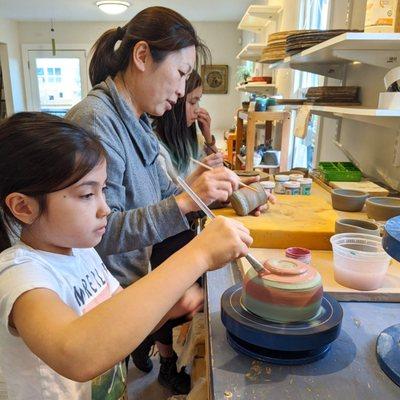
257 87
258 17
376 116
330 57
252 52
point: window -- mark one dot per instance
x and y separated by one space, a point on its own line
313 15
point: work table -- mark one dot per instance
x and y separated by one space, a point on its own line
349 371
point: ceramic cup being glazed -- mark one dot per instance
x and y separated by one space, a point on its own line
289 291
244 200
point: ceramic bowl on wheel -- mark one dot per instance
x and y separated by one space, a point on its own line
289 291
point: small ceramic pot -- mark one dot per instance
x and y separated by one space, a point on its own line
348 200
289 291
346 225
383 208
244 200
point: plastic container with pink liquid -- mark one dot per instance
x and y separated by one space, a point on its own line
360 261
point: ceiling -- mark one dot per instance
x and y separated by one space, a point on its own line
86 10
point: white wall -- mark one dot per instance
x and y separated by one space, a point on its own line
10 58
221 37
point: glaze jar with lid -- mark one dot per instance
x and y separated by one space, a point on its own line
295 177
305 186
288 291
279 181
268 186
292 188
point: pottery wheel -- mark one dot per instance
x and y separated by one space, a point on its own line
278 343
387 344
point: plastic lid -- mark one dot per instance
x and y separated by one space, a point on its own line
267 184
292 185
281 178
305 181
295 177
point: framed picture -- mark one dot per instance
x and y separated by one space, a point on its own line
215 79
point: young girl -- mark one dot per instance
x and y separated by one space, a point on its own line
64 318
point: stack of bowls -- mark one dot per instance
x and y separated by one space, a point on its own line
359 260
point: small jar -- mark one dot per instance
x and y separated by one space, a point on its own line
305 186
292 188
295 177
299 253
261 104
279 181
268 186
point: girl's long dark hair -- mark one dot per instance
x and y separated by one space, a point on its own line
39 154
163 29
171 128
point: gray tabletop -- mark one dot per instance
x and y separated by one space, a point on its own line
349 371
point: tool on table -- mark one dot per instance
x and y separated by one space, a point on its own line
210 168
250 258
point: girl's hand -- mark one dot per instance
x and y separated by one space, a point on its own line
232 237
189 304
204 121
214 160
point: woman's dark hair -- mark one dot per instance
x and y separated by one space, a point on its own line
39 154
163 29
172 129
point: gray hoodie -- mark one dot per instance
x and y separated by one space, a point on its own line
140 195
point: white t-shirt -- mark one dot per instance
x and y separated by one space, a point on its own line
82 281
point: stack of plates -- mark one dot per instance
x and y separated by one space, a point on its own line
333 94
297 42
275 50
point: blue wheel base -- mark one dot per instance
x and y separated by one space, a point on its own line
388 352
275 356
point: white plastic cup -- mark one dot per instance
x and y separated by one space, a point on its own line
359 260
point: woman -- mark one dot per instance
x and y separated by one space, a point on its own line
179 140
145 74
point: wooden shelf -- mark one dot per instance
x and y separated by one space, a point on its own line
243 162
251 52
262 116
258 17
252 117
329 58
257 87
